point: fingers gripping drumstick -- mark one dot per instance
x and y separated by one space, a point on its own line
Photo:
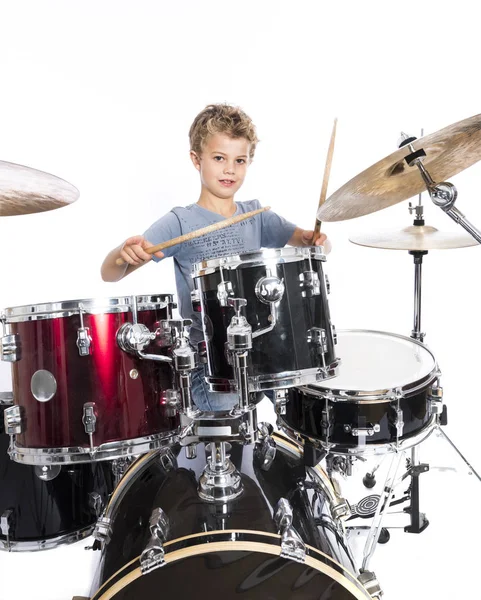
325 182
200 232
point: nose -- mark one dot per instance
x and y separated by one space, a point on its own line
229 168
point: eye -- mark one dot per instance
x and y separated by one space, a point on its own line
241 161
218 158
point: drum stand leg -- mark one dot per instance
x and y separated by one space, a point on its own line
471 468
384 502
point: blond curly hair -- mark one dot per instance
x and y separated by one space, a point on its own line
222 118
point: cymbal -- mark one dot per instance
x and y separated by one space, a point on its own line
24 190
391 180
415 237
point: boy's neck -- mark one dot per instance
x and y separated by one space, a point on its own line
222 206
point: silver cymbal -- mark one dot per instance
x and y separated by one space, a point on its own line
415 237
24 190
448 152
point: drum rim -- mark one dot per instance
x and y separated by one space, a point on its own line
67 308
80 454
276 255
269 544
45 543
380 395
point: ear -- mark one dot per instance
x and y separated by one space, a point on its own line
195 159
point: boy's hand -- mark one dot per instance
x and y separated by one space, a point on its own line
133 251
307 238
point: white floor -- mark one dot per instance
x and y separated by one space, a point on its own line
442 563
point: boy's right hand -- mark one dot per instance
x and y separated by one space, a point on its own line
133 251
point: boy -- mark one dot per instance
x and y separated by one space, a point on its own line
222 145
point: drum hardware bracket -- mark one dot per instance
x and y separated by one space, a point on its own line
292 546
153 555
370 430
220 481
436 399
239 426
89 419
133 338
185 361
13 421
443 194
239 340
418 519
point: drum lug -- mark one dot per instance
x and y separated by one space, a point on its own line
292 546
102 530
13 420
84 341
317 337
153 555
369 431
281 400
310 284
89 419
436 399
265 451
6 523
96 503
10 348
224 292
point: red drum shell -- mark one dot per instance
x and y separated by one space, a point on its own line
129 393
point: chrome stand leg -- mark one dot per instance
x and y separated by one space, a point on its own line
382 507
471 468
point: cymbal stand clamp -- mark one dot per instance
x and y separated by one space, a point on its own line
442 194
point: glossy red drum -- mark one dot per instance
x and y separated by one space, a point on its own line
77 396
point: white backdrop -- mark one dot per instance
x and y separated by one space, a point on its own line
102 93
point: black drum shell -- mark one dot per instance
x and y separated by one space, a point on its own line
46 510
149 484
284 349
307 410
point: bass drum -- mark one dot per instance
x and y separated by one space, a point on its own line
226 550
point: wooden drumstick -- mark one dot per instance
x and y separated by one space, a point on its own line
200 232
325 182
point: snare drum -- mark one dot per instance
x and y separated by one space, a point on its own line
287 308
44 507
227 549
79 397
386 397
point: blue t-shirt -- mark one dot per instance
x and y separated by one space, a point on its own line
266 230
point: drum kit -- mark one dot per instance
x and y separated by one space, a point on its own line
102 435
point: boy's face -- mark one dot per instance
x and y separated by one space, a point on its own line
222 164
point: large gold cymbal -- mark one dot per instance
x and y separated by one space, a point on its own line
389 181
415 237
24 190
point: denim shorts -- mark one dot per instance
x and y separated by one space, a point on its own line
204 399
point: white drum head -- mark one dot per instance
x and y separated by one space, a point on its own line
374 363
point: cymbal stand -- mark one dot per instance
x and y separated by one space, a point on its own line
443 195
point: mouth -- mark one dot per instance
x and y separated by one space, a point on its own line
227 182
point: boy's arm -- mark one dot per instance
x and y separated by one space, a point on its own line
303 237
132 252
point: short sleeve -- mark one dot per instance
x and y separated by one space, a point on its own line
166 228
275 231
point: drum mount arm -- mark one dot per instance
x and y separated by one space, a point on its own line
442 194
